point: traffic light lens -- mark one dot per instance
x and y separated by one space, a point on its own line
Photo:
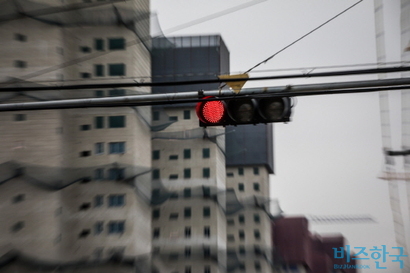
213 111
242 111
272 110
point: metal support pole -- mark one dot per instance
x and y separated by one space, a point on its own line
184 97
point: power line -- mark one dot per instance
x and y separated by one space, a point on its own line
214 74
297 40
174 83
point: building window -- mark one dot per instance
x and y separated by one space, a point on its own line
187 212
98 228
99 174
85 49
20 37
187 153
187 251
207 269
116 227
99 93
187 232
173 118
241 235
99 122
17 226
257 266
241 171
188 269
257 234
85 153
99 44
116 122
229 174
155 174
18 198
99 148
187 192
156 233
116 92
207 232
205 153
206 172
98 200
20 117
117 147
116 69
85 127
256 186
206 212
242 267
242 250
155 194
20 64
173 216
187 173
256 218
174 195
207 252
206 191
116 200
173 157
116 174
241 187
85 75
155 115
116 43
173 176
155 213
256 171
187 114
241 219
230 222
155 154
99 70
230 238
257 250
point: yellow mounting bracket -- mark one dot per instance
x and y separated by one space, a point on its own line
236 86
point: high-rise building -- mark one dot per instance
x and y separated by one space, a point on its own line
69 197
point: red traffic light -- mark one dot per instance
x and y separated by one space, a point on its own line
243 111
212 112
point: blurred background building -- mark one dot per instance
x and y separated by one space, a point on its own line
64 200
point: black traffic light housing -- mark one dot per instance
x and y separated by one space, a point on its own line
243 111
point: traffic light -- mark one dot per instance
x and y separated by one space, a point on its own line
243 111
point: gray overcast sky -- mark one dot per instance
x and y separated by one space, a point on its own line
328 158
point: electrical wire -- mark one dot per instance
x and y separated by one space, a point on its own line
143 78
307 34
174 83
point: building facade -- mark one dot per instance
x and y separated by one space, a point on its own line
66 202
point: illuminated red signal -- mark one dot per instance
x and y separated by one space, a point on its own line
210 111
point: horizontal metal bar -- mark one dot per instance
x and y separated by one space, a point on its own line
186 97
